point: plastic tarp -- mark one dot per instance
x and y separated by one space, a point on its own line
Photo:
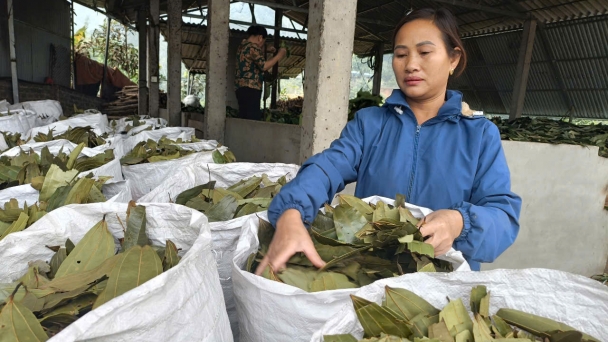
225 234
289 313
579 302
183 304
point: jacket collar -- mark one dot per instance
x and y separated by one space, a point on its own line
451 109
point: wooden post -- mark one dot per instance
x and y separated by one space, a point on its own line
278 19
378 72
174 63
153 57
142 29
523 69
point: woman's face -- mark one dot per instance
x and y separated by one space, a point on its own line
421 61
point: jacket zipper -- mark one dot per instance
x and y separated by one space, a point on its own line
408 198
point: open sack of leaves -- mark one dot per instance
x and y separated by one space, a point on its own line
17 121
225 234
78 135
124 144
360 243
150 162
97 122
129 123
57 189
501 305
74 284
9 140
27 163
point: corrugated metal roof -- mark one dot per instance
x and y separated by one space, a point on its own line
580 57
194 49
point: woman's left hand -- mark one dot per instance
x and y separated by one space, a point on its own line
441 227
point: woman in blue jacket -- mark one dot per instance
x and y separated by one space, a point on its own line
419 144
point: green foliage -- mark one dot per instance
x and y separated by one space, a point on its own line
121 54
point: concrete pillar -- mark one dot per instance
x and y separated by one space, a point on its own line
13 55
329 49
278 20
218 34
142 30
174 63
378 72
153 56
523 69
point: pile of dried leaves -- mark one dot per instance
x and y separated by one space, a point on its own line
405 317
28 165
57 188
77 135
12 139
80 278
554 132
243 198
360 243
364 99
151 151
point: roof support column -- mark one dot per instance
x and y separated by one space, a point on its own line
523 69
13 56
278 19
174 63
378 72
329 50
142 30
218 38
153 57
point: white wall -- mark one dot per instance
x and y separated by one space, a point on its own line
263 142
563 224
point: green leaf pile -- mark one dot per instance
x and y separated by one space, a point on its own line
12 139
404 316
57 189
360 243
554 132
151 151
246 197
77 135
364 99
80 278
26 167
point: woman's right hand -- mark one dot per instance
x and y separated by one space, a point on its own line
290 237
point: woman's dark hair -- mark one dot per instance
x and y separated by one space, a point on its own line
257 30
446 23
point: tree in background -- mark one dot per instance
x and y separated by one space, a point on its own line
121 54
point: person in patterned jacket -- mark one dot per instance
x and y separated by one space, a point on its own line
250 66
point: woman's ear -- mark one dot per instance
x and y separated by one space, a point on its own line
455 57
